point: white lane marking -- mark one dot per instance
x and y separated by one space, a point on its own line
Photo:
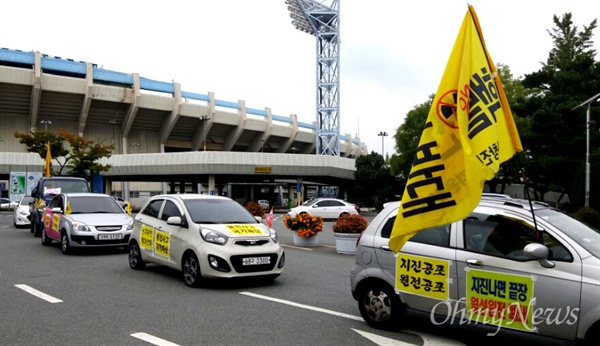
307 307
428 339
381 340
153 339
296 247
38 294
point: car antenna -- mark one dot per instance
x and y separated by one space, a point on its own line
524 177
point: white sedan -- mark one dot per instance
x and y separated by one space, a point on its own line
6 204
327 208
204 236
21 212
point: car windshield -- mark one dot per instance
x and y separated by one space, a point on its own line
94 205
26 200
56 186
584 235
218 211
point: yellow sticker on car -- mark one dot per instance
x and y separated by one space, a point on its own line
422 276
162 241
500 299
146 237
46 218
55 222
239 230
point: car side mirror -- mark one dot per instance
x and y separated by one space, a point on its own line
539 252
177 221
57 210
258 218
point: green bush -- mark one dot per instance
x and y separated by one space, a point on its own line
588 216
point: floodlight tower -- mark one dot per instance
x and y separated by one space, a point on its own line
320 18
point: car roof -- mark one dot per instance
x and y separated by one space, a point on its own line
85 194
499 202
189 196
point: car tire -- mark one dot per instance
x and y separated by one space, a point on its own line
135 257
45 240
190 268
379 305
65 246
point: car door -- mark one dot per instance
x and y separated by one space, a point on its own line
51 220
424 271
148 220
172 239
320 209
500 286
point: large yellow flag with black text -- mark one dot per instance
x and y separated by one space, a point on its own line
48 162
469 132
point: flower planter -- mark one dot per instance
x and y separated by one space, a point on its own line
345 243
306 241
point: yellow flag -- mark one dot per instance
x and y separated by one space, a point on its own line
68 211
48 163
469 133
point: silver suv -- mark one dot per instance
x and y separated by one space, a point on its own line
492 272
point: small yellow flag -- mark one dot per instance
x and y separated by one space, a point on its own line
48 162
469 132
68 211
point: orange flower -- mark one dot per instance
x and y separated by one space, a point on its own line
304 224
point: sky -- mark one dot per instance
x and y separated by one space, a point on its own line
392 52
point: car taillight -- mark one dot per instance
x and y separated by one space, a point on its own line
358 239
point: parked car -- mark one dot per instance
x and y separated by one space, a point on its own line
492 271
7 204
21 212
327 208
80 220
204 236
264 204
126 205
45 190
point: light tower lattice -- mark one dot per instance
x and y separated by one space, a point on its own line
320 18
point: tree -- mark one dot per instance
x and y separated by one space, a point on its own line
373 181
556 139
81 160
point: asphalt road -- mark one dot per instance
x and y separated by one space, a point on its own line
99 300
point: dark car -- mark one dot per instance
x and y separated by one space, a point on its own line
45 190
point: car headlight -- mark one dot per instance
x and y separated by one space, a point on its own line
80 227
130 225
213 236
23 212
273 234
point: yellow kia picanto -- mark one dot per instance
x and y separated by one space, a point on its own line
204 236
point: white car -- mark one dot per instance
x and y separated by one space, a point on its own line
83 219
21 212
527 272
204 236
6 204
264 204
327 208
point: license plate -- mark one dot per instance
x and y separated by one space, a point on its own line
109 236
249 261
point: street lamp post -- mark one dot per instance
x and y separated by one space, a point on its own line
46 123
204 118
587 149
382 134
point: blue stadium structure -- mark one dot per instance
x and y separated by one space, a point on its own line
187 141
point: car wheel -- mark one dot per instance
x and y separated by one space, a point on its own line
191 270
135 257
65 247
379 305
45 240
